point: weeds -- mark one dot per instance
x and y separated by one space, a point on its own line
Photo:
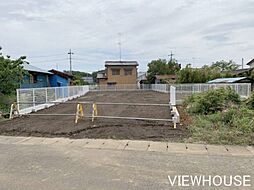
5 103
212 101
219 117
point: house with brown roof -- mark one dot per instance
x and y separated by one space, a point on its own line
118 72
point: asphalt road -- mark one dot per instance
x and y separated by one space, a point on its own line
29 166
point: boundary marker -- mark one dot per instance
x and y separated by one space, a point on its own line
79 113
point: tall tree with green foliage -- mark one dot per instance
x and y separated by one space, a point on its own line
161 67
220 69
11 73
225 66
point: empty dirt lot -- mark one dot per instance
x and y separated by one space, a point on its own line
56 126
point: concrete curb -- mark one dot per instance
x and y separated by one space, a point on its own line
134 145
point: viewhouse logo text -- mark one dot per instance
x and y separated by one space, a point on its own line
209 180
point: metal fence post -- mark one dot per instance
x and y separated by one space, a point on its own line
173 95
62 92
17 91
33 99
46 95
55 94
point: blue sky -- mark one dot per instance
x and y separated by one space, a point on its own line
197 31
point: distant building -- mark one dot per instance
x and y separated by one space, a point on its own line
118 72
231 80
142 77
35 77
58 78
101 77
39 78
165 79
89 80
251 63
241 72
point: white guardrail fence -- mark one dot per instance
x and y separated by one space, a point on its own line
33 99
182 91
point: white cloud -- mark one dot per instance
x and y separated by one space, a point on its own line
196 31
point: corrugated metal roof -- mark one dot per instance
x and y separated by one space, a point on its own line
29 67
121 63
226 80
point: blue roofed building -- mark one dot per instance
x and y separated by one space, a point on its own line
35 77
58 78
39 78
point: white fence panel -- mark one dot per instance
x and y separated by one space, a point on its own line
185 90
34 99
38 98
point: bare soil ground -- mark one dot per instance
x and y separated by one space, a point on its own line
64 126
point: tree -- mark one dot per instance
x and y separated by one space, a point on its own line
79 74
225 66
11 73
161 67
200 75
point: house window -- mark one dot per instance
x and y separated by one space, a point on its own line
33 78
127 71
115 71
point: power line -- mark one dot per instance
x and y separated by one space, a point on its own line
80 59
41 56
88 62
50 60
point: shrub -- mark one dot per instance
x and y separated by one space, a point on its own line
232 126
212 101
5 102
250 101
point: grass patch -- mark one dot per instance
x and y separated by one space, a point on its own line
236 126
220 120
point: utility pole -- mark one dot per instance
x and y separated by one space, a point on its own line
171 56
70 53
120 46
242 62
